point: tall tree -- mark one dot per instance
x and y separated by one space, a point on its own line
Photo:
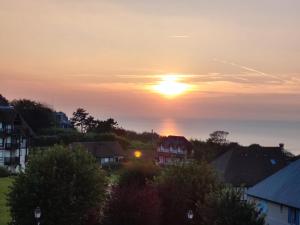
37 115
218 137
105 126
66 185
79 119
134 201
184 186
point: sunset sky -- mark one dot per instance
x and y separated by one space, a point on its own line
236 60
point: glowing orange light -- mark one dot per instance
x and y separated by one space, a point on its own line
137 154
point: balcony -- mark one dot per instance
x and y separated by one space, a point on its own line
10 131
10 161
10 146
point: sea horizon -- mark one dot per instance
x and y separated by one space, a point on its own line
244 132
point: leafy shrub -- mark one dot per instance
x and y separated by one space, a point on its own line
133 205
66 185
4 172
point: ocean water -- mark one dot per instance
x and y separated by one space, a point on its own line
245 132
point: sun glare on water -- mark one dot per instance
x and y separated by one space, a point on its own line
171 86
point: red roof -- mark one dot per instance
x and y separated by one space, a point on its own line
175 141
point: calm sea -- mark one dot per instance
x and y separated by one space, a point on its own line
267 133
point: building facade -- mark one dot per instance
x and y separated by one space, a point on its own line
278 196
107 153
243 167
173 149
15 137
62 120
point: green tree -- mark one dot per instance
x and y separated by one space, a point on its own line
133 205
105 126
230 210
65 184
37 115
218 137
3 101
184 186
138 173
134 200
79 119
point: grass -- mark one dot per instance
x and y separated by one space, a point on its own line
4 212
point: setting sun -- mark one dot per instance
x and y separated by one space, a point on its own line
171 86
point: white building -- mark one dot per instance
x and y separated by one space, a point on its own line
278 196
14 139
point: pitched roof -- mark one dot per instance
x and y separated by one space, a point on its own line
101 149
174 141
9 115
282 187
249 165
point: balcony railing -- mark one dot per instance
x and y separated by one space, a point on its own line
9 161
9 146
10 131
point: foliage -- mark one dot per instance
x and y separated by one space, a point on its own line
218 137
3 100
230 210
79 119
103 126
208 151
133 205
138 173
4 172
37 115
4 210
181 187
65 184
71 135
145 137
87 123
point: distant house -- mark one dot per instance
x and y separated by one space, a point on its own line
243 167
62 120
173 149
278 196
15 137
106 152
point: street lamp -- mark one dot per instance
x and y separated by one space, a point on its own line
37 214
190 215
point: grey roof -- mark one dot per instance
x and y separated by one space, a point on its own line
282 187
102 149
246 166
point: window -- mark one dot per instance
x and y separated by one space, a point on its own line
1 142
293 216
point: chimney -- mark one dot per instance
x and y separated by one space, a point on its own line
281 146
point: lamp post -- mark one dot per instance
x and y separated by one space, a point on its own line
190 216
37 215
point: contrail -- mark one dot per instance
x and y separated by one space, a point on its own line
249 69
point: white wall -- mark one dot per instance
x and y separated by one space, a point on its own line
276 214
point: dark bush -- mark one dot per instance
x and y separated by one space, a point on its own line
4 172
66 185
133 205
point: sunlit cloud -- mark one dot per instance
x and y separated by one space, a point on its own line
179 36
